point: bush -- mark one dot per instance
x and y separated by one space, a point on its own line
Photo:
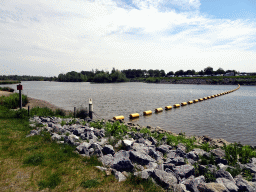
116 129
43 112
60 112
82 113
12 101
6 89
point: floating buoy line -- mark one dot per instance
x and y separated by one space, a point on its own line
159 110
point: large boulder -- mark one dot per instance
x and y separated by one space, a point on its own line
107 160
122 162
164 149
243 185
193 184
211 187
184 171
145 174
163 178
140 158
108 149
224 174
230 185
176 161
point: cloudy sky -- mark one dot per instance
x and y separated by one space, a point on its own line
48 37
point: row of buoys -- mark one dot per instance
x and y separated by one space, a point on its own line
158 110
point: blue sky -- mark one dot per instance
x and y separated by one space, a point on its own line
41 37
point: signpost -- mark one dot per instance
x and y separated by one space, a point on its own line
20 87
90 108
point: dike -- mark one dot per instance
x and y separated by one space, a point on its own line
126 149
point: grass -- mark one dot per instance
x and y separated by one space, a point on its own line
36 163
9 82
12 101
6 89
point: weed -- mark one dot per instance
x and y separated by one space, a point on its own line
205 146
63 123
60 112
43 112
51 182
82 113
145 131
247 174
116 129
90 183
234 171
35 159
97 124
207 160
12 101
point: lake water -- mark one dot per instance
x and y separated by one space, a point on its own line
230 116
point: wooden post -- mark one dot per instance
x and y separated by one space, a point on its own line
90 109
74 112
28 110
19 87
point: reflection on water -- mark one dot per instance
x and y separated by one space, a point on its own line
231 116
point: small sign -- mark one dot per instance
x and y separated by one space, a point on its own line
19 87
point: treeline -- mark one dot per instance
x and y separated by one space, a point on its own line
93 76
26 78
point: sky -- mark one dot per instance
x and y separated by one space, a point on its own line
46 38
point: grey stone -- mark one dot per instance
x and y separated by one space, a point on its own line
164 149
97 150
220 153
243 185
251 167
122 162
152 140
145 174
101 168
155 154
55 137
78 131
193 155
119 176
127 143
108 149
230 185
107 160
211 187
200 152
193 184
176 161
171 154
140 158
163 178
184 170
181 153
152 165
224 174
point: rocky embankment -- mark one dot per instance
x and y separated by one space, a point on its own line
224 81
172 167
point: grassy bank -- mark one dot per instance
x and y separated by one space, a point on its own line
2 82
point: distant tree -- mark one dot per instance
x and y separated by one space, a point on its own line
180 72
208 70
201 72
170 73
151 72
220 71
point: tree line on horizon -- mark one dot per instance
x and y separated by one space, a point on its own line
100 76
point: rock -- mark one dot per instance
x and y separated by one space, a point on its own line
181 153
220 153
122 162
224 174
101 168
230 185
243 185
171 154
153 140
97 150
107 160
140 158
193 184
108 149
193 155
182 147
78 131
127 143
145 174
164 149
251 167
184 170
163 178
152 165
211 187
155 154
56 137
176 161
119 176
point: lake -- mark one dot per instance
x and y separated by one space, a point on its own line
230 116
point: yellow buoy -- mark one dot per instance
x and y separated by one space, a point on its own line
209 97
176 105
205 98
183 103
118 117
149 112
168 107
215 95
212 96
134 115
201 99
190 102
195 100
157 110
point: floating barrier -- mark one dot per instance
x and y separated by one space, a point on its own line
168 107
149 112
195 100
212 96
118 117
184 103
190 102
157 110
176 105
215 95
134 115
209 97
205 98
201 99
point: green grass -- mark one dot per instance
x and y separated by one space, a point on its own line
6 89
2 82
12 101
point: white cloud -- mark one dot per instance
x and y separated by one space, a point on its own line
81 35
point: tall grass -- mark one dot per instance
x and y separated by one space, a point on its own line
9 89
12 101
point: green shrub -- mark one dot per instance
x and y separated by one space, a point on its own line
90 183
51 182
12 101
43 112
97 124
6 89
82 113
35 159
234 171
21 113
116 129
60 112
